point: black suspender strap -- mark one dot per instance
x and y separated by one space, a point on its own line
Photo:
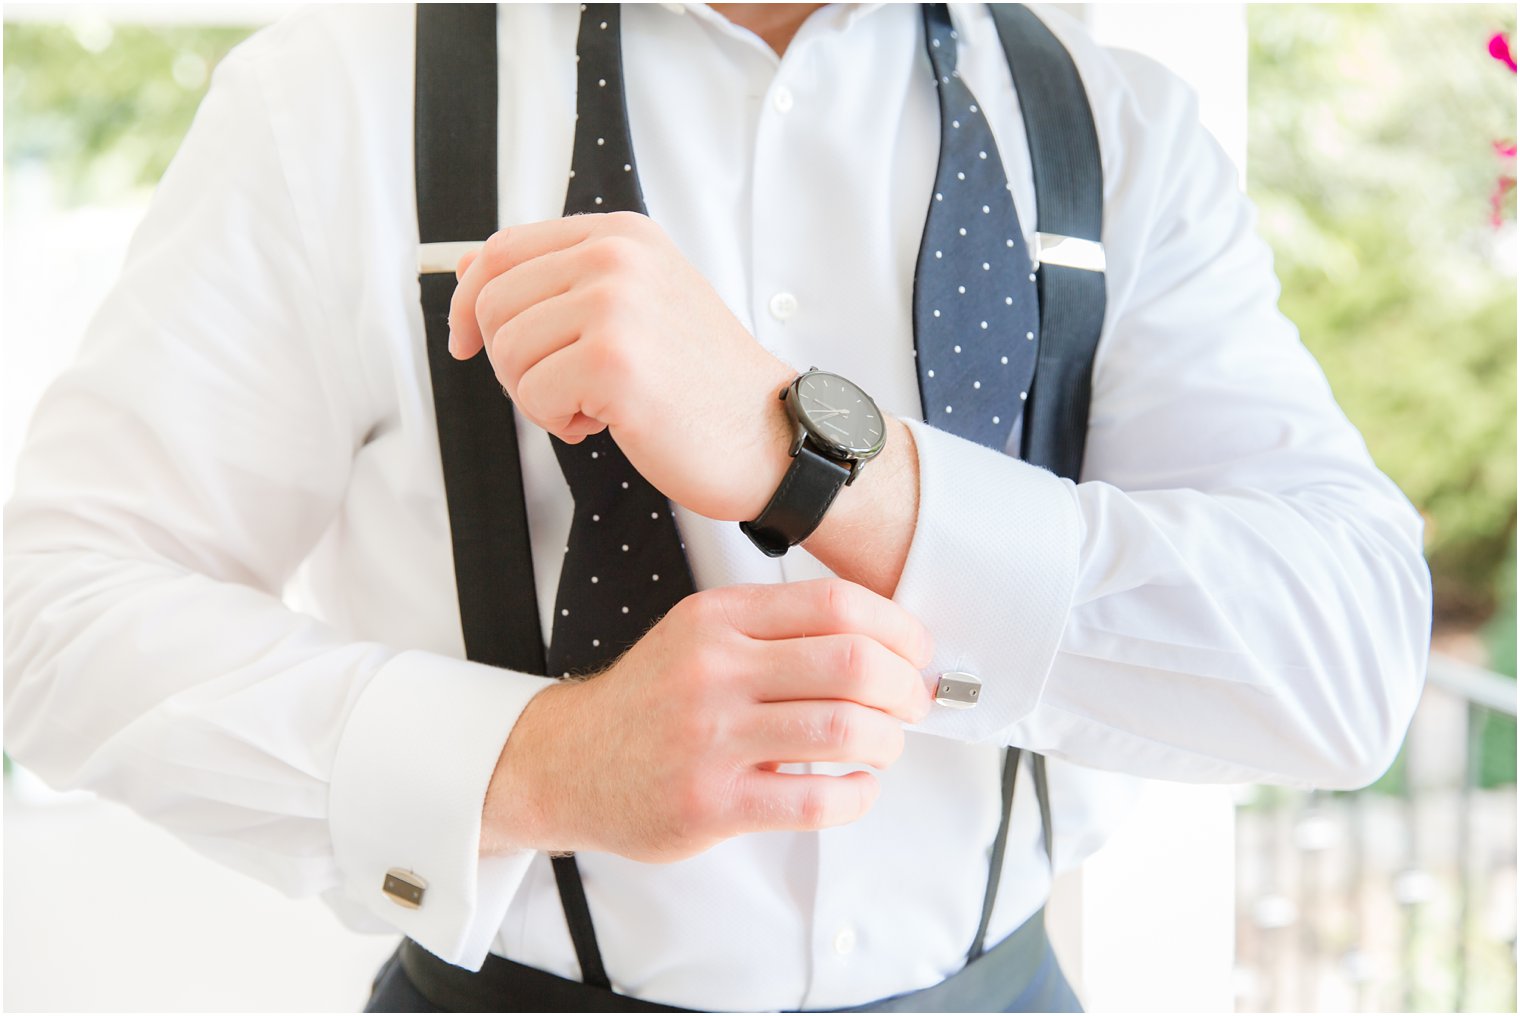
572 899
1042 797
1068 183
455 154
999 847
1011 758
455 161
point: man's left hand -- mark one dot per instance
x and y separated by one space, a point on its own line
598 321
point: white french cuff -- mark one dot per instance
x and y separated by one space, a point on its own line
991 572
408 783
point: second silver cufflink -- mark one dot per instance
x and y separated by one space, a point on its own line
958 690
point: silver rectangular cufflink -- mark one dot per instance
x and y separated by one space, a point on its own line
404 887
958 690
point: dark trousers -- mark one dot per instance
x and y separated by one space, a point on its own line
1047 991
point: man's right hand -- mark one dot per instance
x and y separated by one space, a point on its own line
675 746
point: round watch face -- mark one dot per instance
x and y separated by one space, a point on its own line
839 415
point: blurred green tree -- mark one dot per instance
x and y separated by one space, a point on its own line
1372 162
104 105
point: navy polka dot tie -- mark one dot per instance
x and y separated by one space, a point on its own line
625 565
975 311
975 320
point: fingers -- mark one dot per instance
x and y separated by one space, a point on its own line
520 289
826 731
827 606
793 801
852 668
512 246
560 394
529 336
503 250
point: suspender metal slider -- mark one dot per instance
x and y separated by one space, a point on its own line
437 258
1067 252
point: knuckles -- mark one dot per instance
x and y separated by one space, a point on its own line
813 808
853 661
509 357
838 729
629 221
692 803
629 226
609 356
841 604
496 249
613 254
712 610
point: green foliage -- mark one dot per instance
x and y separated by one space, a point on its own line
1496 760
1371 159
104 106
1499 633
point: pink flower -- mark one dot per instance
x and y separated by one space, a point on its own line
1502 186
1498 48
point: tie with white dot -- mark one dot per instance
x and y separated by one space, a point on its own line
625 564
975 309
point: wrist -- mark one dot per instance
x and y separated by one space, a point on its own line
518 813
866 533
772 455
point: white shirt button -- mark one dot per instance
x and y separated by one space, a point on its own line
783 306
844 941
782 99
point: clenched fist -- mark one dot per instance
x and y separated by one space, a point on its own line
596 322
676 746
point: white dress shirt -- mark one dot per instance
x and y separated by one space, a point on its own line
229 588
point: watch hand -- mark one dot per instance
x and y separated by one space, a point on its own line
831 423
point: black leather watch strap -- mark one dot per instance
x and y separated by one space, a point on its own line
810 485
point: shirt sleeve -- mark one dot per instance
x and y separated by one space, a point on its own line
1234 592
172 479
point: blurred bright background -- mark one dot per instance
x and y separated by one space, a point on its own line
1381 157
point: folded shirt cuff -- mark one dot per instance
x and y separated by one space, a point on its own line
408 784
991 572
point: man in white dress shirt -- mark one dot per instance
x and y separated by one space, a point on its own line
1233 592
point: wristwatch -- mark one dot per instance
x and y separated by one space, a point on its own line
837 429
